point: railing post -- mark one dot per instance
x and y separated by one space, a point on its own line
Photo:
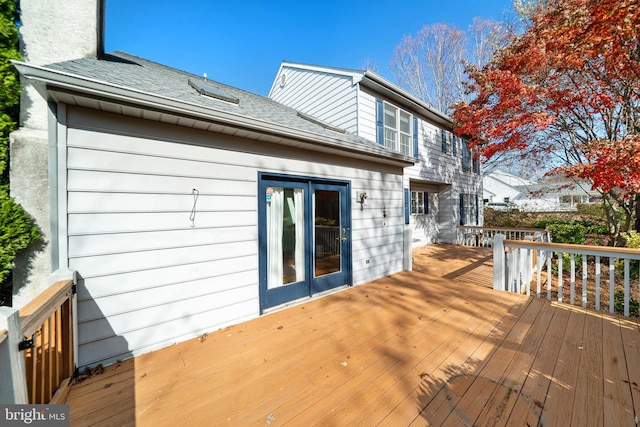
499 263
407 262
13 387
528 267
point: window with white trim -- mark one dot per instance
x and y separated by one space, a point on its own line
419 202
467 157
468 209
449 142
397 129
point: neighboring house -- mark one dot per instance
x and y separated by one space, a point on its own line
503 190
500 189
443 189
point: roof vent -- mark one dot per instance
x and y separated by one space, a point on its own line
212 92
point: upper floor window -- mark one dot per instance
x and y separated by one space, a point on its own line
449 142
397 129
470 160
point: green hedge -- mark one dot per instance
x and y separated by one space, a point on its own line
17 231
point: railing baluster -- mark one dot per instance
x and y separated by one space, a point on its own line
34 371
612 279
41 347
539 263
572 287
560 276
59 351
626 287
549 274
528 278
598 282
584 281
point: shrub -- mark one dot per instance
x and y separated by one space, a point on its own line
17 231
567 232
632 239
618 304
573 233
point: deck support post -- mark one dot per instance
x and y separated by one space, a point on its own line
13 387
407 263
499 263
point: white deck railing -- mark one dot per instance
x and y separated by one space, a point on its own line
518 263
477 235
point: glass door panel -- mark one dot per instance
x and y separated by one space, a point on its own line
327 233
331 234
285 236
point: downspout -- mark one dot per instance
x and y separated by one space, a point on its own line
54 239
58 240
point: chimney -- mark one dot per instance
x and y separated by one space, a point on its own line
50 31
56 31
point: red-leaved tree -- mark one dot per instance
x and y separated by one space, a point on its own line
567 92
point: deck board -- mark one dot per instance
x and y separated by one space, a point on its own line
502 403
618 401
528 409
588 407
558 405
436 346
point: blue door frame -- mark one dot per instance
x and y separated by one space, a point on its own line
311 284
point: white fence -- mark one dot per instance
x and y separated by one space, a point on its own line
473 235
518 263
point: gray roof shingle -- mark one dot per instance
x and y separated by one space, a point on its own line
139 74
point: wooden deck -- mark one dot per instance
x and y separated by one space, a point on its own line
433 347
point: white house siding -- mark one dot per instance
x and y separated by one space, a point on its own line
441 171
331 98
158 266
367 115
435 169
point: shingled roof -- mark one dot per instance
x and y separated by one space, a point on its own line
123 79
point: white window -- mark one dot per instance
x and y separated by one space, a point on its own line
419 202
468 209
397 129
448 142
467 157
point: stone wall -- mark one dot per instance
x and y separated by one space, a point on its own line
51 31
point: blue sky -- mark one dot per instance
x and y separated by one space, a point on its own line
242 43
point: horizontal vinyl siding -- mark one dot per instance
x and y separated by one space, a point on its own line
328 97
146 261
367 116
152 274
444 171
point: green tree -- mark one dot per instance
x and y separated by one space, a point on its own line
17 230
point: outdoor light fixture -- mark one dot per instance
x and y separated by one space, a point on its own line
363 197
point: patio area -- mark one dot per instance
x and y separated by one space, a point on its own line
436 346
